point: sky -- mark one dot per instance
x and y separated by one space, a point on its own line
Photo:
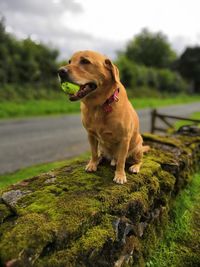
101 25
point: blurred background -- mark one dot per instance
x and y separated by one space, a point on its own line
155 44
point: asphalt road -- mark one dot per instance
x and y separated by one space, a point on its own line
25 142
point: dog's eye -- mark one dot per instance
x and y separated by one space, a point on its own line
84 61
69 61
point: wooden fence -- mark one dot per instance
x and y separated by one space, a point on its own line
155 116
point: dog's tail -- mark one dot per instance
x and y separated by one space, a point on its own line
145 148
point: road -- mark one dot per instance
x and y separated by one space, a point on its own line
25 142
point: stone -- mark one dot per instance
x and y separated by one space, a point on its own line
73 218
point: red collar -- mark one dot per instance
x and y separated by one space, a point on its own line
107 104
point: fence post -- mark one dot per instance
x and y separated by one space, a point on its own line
153 119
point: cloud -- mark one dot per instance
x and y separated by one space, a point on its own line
40 8
72 25
106 47
42 21
179 43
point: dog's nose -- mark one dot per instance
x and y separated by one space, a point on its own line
63 72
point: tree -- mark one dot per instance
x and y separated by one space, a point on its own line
25 62
151 50
189 66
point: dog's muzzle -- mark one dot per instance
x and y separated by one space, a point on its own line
84 90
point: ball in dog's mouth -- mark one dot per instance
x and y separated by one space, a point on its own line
70 88
83 91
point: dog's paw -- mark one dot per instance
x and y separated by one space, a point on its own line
91 167
135 168
120 178
113 162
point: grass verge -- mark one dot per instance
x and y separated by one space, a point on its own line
195 116
180 246
11 178
62 105
28 172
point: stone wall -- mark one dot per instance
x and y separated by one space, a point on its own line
69 218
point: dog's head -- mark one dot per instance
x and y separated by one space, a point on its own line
90 70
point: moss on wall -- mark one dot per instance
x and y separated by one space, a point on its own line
68 217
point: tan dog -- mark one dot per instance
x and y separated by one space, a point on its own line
107 115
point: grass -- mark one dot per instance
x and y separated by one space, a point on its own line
181 243
11 178
148 102
61 105
195 116
28 172
29 108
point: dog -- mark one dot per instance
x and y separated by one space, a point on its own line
109 118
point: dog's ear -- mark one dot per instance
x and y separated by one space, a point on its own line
113 69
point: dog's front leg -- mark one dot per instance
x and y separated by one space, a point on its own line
120 175
93 163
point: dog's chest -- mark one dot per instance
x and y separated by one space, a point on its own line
104 129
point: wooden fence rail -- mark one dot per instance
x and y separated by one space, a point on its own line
163 117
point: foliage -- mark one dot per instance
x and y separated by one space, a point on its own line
28 69
170 81
189 66
61 105
150 49
181 241
137 76
147 62
26 62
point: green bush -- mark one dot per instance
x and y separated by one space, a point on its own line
170 82
25 67
131 74
135 76
127 71
144 92
152 78
16 93
150 49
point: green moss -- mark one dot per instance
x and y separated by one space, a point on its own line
76 217
27 238
93 239
149 167
84 249
167 181
168 140
161 156
180 245
4 212
149 241
71 213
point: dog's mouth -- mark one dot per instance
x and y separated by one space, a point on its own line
83 91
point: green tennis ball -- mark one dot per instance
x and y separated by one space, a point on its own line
70 88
